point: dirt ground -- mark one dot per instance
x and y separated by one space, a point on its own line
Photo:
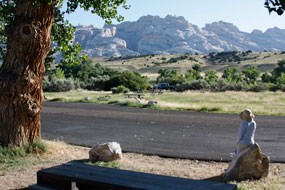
59 152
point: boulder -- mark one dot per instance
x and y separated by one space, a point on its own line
152 103
106 152
251 163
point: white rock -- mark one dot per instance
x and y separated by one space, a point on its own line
106 152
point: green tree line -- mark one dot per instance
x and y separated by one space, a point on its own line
88 76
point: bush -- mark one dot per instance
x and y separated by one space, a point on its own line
194 85
120 89
259 87
221 85
58 85
37 147
97 83
131 80
237 87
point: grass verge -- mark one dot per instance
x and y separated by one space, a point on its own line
262 103
20 157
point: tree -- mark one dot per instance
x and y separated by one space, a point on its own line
251 74
192 74
277 6
279 70
28 26
197 67
172 77
132 80
211 76
232 74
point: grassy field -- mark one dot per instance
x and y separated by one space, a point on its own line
262 103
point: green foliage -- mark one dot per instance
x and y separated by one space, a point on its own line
62 31
211 77
277 6
281 81
121 89
279 70
131 80
58 85
37 147
276 77
197 67
106 9
6 17
193 85
266 77
251 74
172 77
193 74
232 74
259 87
206 109
15 157
57 73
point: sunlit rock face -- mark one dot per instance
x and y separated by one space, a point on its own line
173 35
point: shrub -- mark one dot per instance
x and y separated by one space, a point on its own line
237 87
132 80
97 83
221 85
194 85
59 85
120 89
37 147
259 87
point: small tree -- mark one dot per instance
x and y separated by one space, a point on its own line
251 74
197 67
232 74
172 77
279 70
281 81
211 77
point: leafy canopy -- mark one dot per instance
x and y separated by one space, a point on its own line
277 6
62 30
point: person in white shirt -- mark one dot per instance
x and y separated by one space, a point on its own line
247 130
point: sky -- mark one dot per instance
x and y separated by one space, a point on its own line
245 14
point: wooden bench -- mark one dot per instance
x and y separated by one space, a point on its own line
101 178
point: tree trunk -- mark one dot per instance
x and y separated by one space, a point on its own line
21 75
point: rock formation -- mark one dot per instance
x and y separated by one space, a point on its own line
106 152
251 163
156 35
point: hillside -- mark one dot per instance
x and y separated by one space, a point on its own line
149 65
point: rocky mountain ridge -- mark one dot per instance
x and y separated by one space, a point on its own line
173 35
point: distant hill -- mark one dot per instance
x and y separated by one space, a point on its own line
173 35
149 65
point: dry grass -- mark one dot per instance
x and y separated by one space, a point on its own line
262 103
60 152
148 65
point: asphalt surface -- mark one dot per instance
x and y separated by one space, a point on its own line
193 135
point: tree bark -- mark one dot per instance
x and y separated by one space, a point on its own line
21 75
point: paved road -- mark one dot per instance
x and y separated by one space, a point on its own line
166 133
